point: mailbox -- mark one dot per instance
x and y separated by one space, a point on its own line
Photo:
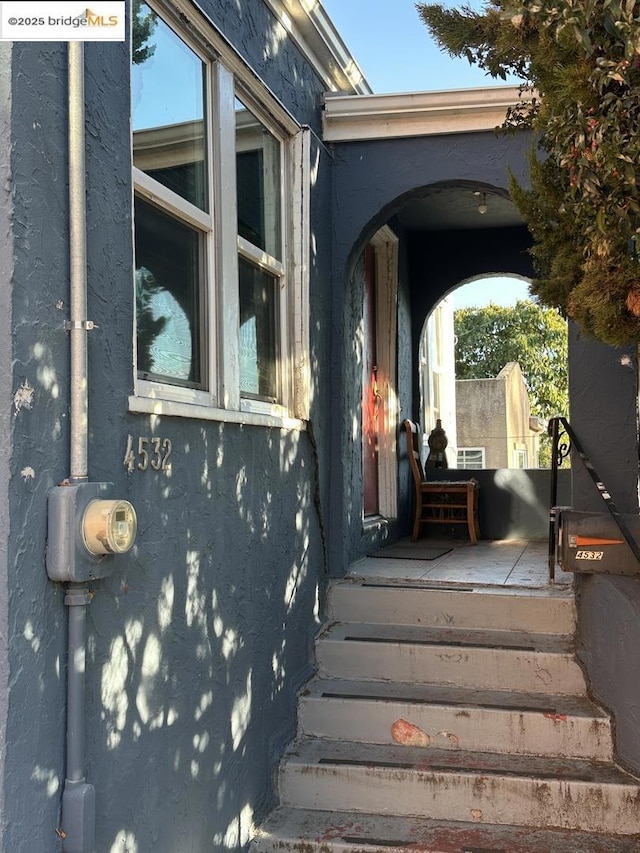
592 542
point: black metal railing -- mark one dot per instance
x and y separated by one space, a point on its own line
563 442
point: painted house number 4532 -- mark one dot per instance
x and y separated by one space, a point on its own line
147 453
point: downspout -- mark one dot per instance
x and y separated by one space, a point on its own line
78 799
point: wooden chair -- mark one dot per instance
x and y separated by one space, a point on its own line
440 501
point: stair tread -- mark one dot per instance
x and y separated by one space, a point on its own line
436 694
321 751
317 831
440 636
431 586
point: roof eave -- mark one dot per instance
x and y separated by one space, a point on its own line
308 24
348 118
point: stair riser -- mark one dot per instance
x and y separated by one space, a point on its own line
332 832
462 797
456 727
450 609
479 668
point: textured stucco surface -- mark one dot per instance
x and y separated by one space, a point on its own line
6 401
512 503
198 642
494 414
482 411
372 182
350 538
34 765
603 393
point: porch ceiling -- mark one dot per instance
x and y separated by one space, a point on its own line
453 208
444 207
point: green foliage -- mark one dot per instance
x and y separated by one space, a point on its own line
582 59
536 337
144 22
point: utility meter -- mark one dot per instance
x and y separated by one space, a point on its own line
87 526
109 527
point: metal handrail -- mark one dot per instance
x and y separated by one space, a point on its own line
564 440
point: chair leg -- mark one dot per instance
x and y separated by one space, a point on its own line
417 519
471 515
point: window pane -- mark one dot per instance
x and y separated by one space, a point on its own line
258 332
168 92
470 458
258 180
168 296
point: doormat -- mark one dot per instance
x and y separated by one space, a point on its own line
410 551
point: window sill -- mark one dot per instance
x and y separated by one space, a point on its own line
374 523
169 408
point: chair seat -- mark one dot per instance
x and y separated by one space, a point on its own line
440 501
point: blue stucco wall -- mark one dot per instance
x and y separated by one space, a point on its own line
439 261
6 401
512 503
604 395
350 538
200 639
34 762
373 180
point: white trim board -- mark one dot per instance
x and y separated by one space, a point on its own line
350 118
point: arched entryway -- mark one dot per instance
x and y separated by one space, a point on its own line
434 236
389 152
492 357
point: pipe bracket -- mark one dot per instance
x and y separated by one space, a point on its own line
78 597
80 325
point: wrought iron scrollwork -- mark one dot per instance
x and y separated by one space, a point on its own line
562 444
564 440
560 450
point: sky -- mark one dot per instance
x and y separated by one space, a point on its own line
396 54
395 51
499 290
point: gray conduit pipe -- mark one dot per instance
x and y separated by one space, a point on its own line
76 599
78 265
78 799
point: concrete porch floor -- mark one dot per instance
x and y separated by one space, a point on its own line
506 563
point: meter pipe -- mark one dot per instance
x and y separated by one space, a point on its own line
78 800
78 265
76 600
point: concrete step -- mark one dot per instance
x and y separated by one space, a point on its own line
334 832
456 785
542 611
443 717
484 660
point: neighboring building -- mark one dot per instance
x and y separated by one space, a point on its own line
265 239
438 375
495 425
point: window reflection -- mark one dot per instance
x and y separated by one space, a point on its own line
258 324
168 94
168 292
258 182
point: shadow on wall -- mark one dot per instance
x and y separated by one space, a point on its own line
199 641
514 503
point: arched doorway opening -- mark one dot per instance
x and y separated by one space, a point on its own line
493 368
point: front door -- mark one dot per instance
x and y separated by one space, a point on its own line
371 397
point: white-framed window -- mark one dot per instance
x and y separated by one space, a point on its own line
471 457
520 458
220 174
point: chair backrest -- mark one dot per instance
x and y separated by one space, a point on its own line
412 432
